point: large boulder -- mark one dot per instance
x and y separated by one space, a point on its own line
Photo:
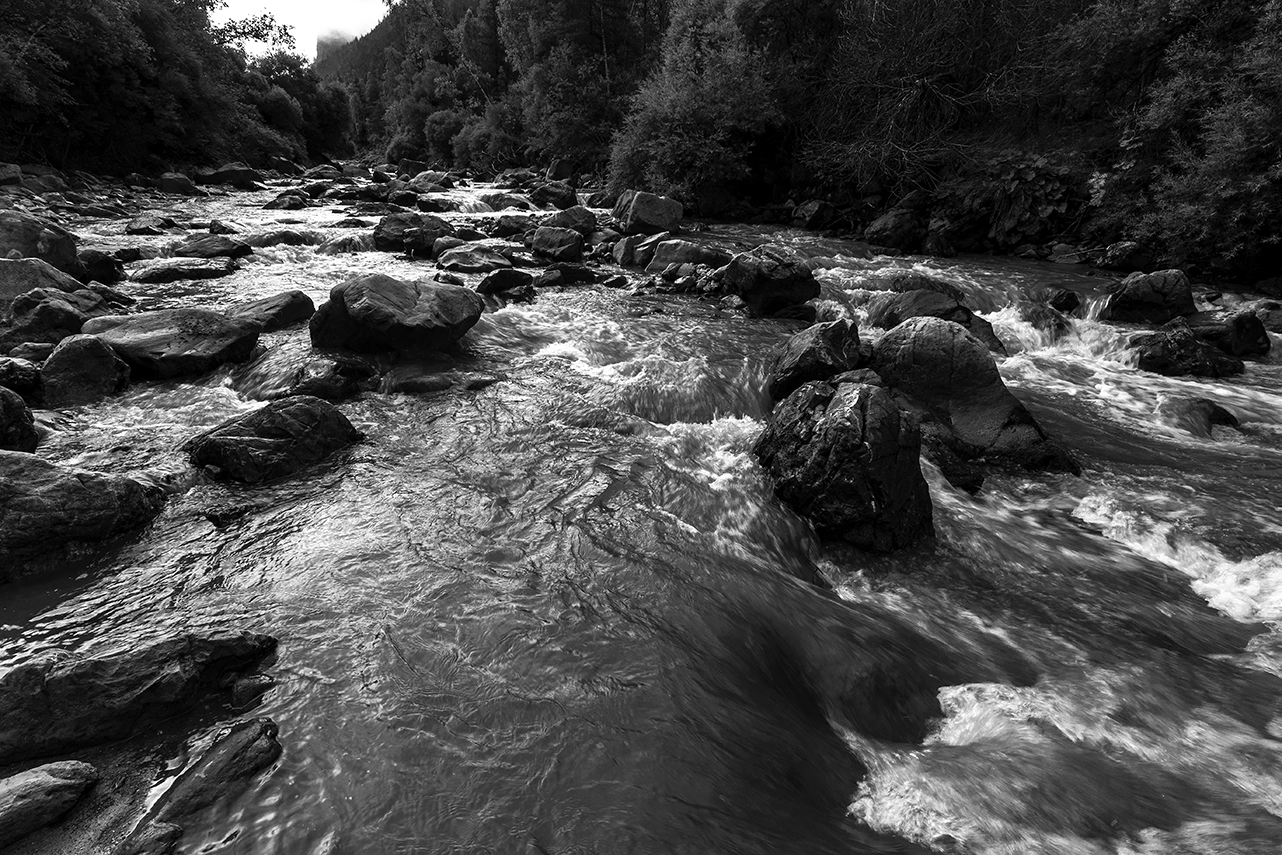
557 244
472 258
512 225
845 458
237 174
578 218
769 279
275 441
949 377
17 425
177 184
1176 352
33 237
556 193
101 266
275 312
60 702
899 228
20 275
1153 298
390 233
161 271
48 316
678 251
82 369
645 213
889 310
43 504
816 353
504 201
39 797
172 343
1241 334
211 246
378 313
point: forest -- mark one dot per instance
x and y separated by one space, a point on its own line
999 124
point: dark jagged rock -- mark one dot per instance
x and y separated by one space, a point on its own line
390 233
101 267
845 458
33 237
556 193
17 426
1176 352
277 440
899 228
378 313
1150 298
82 369
948 376
32 351
23 377
645 213
888 311
472 258
237 174
1063 300
557 244
578 218
237 754
769 278
39 797
275 312
504 280
177 184
281 373
1195 415
512 225
293 199
18 276
172 343
49 316
59 702
212 246
149 225
1242 334
346 243
504 201
161 271
816 353
671 252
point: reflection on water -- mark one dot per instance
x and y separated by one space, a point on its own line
564 613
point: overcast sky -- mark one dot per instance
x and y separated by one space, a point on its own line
310 18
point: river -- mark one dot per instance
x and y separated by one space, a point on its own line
564 613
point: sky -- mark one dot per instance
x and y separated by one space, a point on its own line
309 18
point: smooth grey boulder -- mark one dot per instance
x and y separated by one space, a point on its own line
1150 298
818 352
378 313
39 797
275 441
101 266
82 369
678 251
211 246
888 311
578 218
59 702
275 312
639 212
769 279
44 506
170 343
845 458
557 244
161 271
17 425
34 237
48 316
472 258
20 275
1175 351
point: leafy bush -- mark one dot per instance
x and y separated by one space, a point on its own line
1015 198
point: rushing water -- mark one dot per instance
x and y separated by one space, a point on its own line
564 613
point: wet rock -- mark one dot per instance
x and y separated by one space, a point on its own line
294 199
411 167
499 281
17 426
1127 257
275 312
472 258
23 377
899 228
769 278
1176 352
284 237
82 370
671 252
502 201
237 174
39 797
172 343
101 267
556 193
346 243
161 271
149 225
578 218
33 237
49 316
902 281
949 377
1150 298
510 225
390 233
1063 300
645 213
1195 415
557 244
212 246
283 373
888 311
816 353
378 313
1241 334
570 273
60 702
237 754
625 250
277 440
845 458
18 276
177 184
815 214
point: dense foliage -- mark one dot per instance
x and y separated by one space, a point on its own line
119 85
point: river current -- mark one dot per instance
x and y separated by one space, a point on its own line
563 613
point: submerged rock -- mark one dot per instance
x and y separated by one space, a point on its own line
769 279
170 343
816 353
275 312
17 425
1176 352
845 458
60 702
281 373
378 313
237 754
274 441
1195 415
39 797
1150 298
82 369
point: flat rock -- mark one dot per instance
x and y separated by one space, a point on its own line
160 271
284 237
175 342
82 370
578 218
378 313
211 246
471 258
275 312
39 797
